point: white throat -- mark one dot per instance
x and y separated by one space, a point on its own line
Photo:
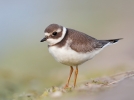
54 41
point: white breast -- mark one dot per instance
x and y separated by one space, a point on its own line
67 56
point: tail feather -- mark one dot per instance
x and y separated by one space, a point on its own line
113 40
104 43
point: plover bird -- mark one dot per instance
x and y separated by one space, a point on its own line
71 47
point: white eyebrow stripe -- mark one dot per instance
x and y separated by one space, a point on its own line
59 30
47 34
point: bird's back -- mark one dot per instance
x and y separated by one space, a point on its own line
81 42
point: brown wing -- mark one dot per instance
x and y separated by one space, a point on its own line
82 42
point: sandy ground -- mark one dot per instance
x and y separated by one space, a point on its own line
116 87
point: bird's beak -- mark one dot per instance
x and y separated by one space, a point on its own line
44 39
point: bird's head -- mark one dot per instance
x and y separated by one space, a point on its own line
54 33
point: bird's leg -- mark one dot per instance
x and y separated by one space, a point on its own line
71 71
75 77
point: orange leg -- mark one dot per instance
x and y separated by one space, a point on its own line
75 78
71 71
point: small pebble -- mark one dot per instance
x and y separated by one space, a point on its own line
56 94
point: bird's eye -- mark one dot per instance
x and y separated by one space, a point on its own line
54 33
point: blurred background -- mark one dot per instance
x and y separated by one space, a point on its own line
26 65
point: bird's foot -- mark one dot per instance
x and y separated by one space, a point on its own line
66 86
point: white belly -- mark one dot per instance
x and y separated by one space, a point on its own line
67 56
